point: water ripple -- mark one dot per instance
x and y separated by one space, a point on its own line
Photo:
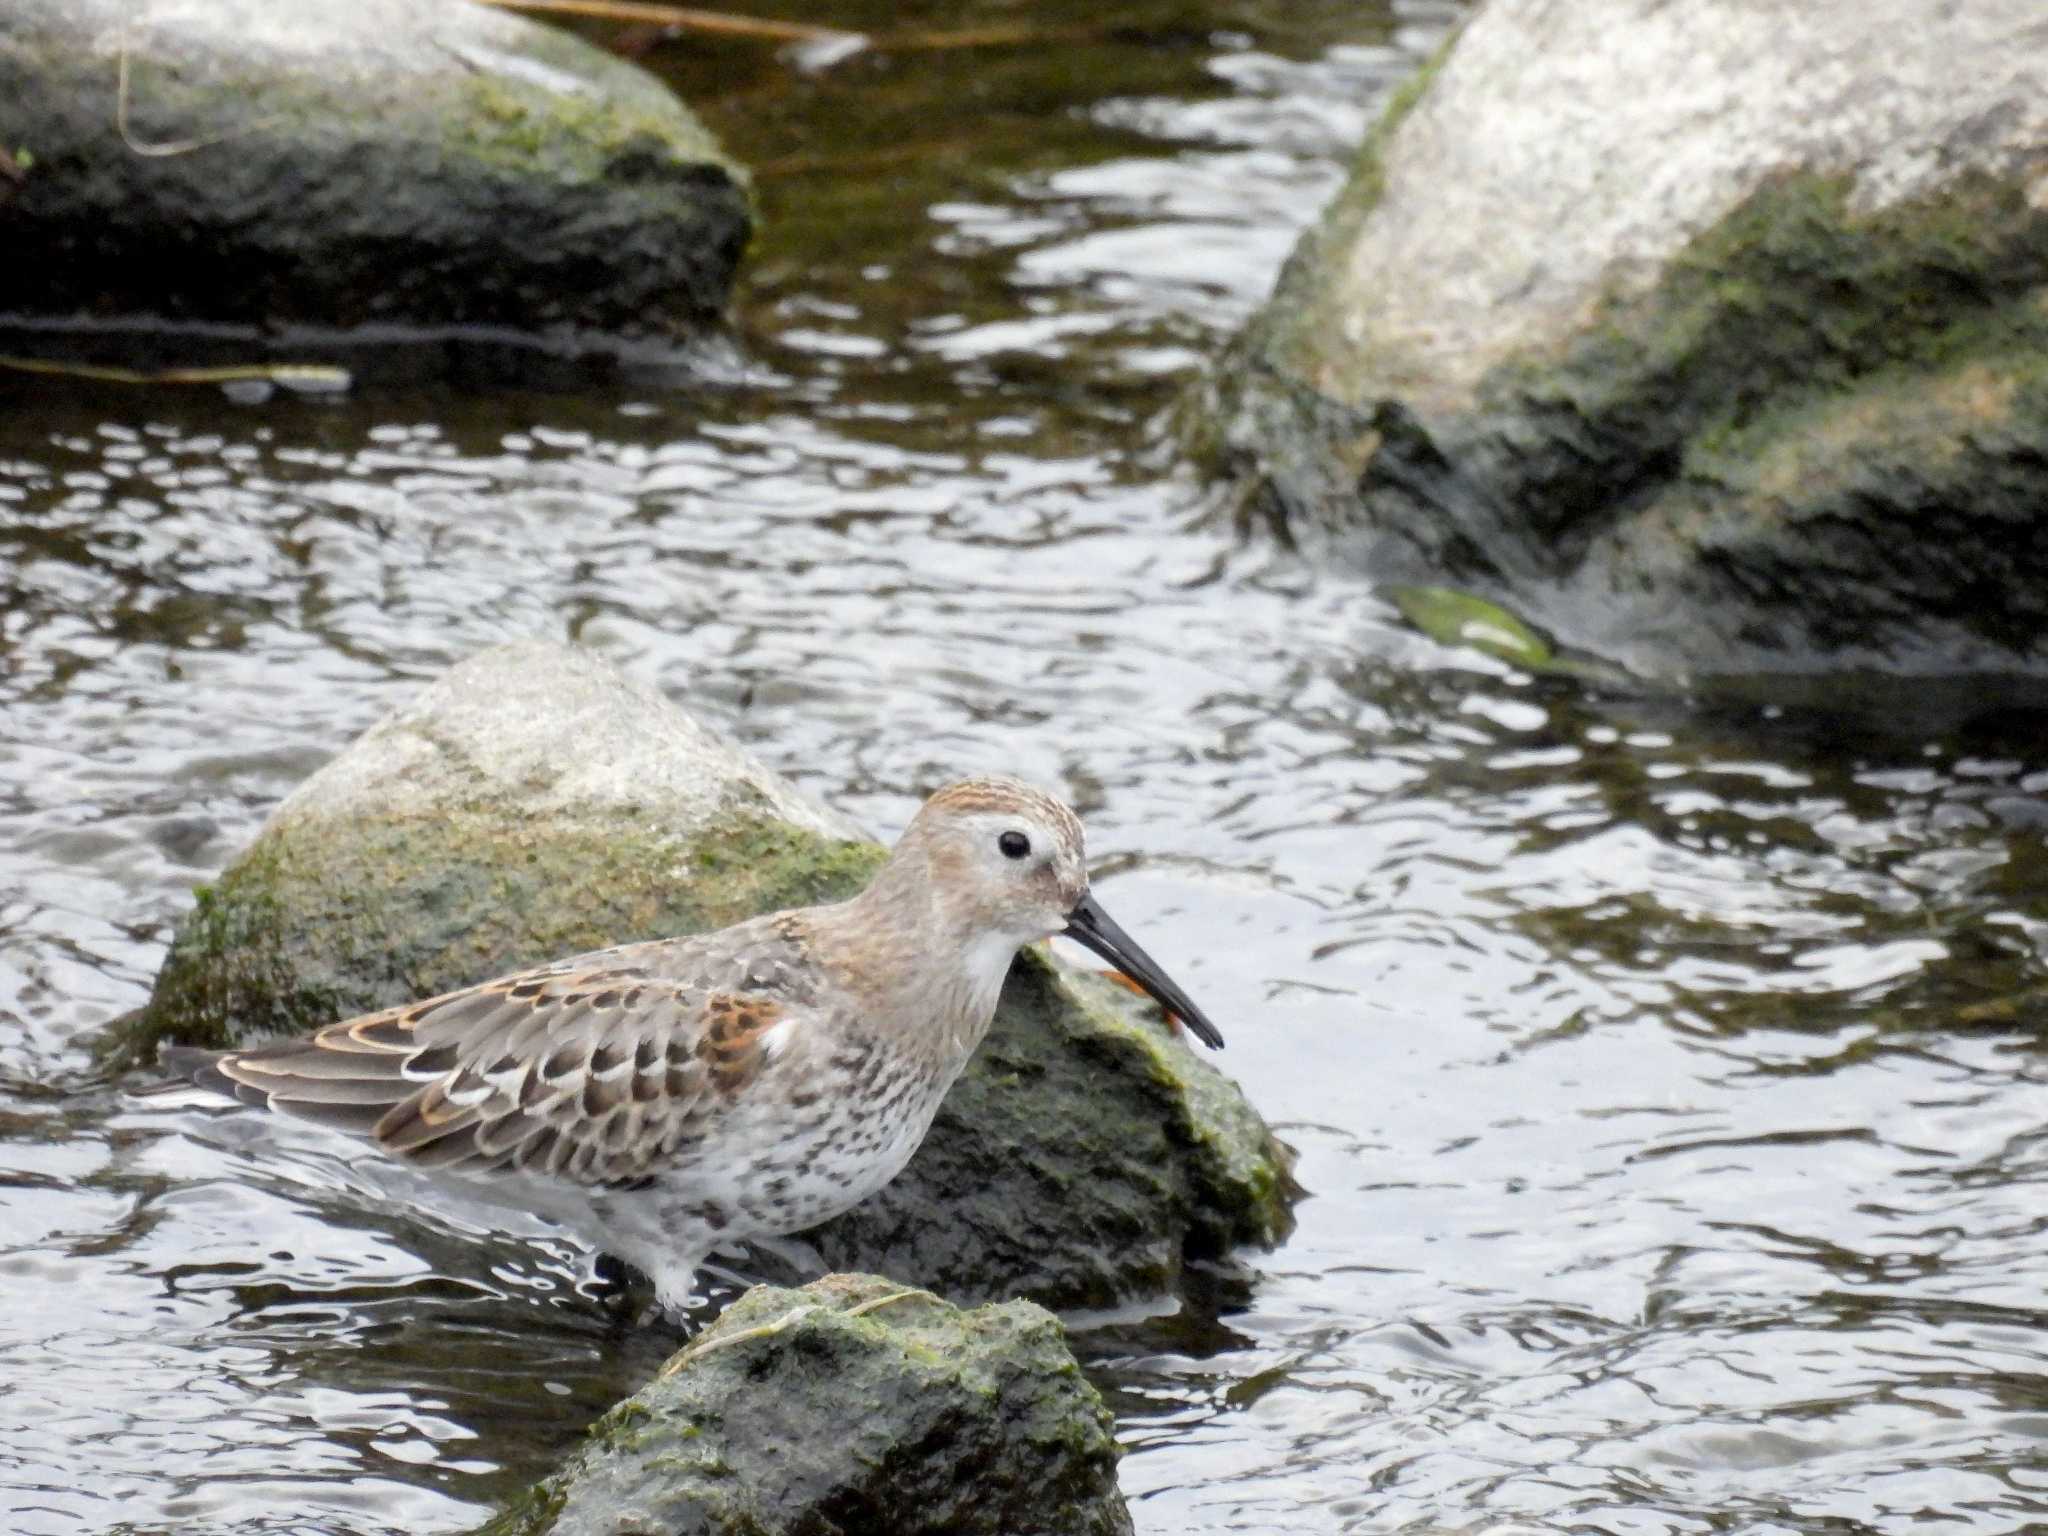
1667 1079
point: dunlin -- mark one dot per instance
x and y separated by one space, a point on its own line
665 1098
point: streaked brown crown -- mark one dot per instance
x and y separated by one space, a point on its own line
966 797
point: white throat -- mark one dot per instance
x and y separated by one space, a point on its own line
983 965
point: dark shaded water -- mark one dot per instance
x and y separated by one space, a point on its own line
1677 1148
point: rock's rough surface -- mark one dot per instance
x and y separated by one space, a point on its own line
1711 336
530 804
533 804
265 165
909 1418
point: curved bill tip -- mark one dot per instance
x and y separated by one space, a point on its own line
1089 925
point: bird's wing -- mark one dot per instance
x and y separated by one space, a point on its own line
592 1070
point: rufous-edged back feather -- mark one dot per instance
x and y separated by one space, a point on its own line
591 1070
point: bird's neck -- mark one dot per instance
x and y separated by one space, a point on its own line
927 975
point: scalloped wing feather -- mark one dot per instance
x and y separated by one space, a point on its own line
594 1070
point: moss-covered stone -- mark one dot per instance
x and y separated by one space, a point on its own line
848 1407
422 170
1785 412
532 804
1818 440
317 923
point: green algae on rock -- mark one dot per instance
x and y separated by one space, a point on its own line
1741 375
247 170
848 1406
532 804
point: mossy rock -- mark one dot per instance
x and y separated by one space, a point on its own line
285 175
530 804
322 921
533 804
848 1407
1785 412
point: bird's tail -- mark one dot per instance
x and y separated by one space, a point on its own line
191 1065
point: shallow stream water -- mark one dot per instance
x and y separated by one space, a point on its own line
1669 1078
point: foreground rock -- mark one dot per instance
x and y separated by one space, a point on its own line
798 1412
1712 337
297 167
533 804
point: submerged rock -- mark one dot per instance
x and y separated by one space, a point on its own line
838 1408
243 169
532 804
1710 337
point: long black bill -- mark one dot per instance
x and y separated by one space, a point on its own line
1088 924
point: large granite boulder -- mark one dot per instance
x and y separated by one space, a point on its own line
532 803
234 170
1711 337
848 1407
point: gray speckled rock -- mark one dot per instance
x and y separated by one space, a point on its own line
913 1419
1713 337
413 168
533 803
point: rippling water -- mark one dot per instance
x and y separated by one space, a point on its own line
1670 1079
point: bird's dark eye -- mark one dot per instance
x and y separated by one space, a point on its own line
1014 844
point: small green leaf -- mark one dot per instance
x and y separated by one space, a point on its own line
1451 617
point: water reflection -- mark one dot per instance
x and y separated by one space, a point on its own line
1668 1077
